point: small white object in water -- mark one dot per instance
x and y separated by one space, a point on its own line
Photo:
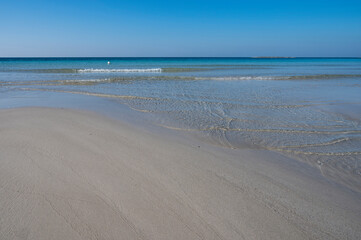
108 62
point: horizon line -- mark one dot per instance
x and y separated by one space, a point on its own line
253 57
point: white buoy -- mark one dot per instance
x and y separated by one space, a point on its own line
108 62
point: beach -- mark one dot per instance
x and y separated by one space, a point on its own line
180 120
75 174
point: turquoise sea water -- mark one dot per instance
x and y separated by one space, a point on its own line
306 108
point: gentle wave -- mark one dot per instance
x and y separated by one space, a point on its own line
86 70
94 81
165 69
237 78
317 153
295 77
142 78
91 94
131 70
262 130
165 77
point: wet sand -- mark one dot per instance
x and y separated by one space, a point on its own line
67 174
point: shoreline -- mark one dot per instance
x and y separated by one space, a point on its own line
72 174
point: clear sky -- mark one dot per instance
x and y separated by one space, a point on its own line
180 28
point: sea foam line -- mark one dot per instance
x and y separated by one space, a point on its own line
237 78
131 70
294 77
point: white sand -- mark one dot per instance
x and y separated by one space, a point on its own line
76 175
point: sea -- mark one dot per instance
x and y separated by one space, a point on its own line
306 108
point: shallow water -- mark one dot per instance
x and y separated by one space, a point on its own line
309 109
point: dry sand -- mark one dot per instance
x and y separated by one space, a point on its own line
66 174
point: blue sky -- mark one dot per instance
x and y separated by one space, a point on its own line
180 28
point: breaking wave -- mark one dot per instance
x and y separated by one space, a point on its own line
131 70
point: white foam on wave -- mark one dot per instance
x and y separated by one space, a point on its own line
237 78
132 70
